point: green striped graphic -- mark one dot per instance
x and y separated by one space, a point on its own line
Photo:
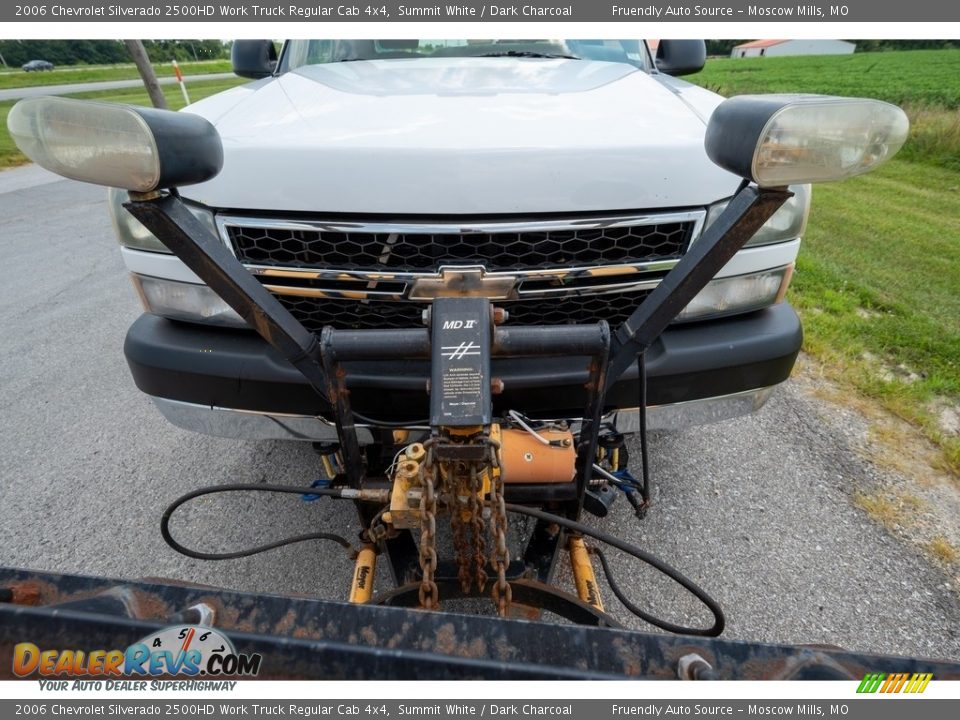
894 683
871 682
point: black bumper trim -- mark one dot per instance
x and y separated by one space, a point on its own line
236 369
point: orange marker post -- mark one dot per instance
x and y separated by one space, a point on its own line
183 86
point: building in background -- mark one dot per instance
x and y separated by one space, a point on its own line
779 48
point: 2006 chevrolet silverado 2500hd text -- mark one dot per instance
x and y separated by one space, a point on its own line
467 257
560 179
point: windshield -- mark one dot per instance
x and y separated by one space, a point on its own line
298 53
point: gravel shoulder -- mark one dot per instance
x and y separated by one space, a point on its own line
758 511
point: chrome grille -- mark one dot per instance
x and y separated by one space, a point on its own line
365 274
495 248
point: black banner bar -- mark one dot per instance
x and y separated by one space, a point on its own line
738 11
211 704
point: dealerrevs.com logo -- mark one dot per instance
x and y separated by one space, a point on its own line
179 650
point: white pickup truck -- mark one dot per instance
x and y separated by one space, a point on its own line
562 179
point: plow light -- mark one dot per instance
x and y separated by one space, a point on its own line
134 148
778 140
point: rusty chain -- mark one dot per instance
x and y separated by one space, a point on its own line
461 546
453 486
465 498
429 594
476 520
502 593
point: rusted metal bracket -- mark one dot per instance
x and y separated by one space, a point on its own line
746 213
321 360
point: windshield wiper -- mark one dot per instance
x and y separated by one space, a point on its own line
528 54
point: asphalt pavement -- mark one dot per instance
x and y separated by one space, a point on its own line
758 511
73 88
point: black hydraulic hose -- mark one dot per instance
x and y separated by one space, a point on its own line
643 614
391 423
240 487
603 537
653 561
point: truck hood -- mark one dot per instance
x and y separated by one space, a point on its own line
461 136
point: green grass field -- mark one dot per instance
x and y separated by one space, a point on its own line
878 277
909 77
878 288
64 76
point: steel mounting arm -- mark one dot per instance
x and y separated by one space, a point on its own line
749 209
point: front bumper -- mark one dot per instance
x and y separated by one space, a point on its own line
208 371
254 425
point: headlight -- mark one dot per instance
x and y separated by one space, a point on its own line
740 294
825 140
788 223
778 140
136 148
184 301
132 234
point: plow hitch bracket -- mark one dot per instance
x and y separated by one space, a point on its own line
460 343
461 466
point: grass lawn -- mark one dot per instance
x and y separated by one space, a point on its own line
79 74
878 276
911 77
10 156
878 288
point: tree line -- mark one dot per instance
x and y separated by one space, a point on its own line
108 52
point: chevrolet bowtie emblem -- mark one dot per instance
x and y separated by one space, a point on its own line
464 282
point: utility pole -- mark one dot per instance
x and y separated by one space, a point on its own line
139 55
